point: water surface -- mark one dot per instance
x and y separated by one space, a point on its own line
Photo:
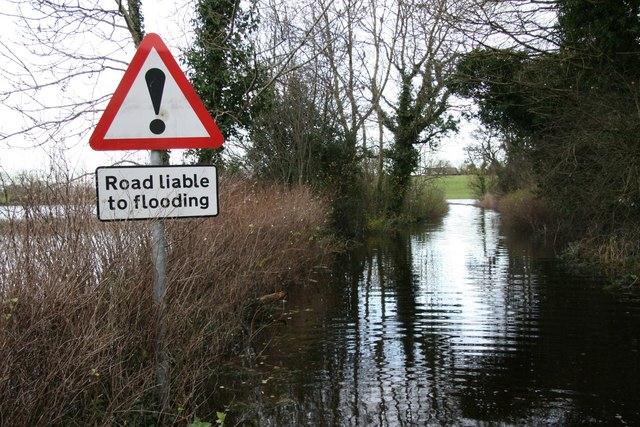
455 323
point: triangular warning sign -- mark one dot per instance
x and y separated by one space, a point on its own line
155 107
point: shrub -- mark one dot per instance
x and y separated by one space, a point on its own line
482 183
523 210
488 201
424 201
77 322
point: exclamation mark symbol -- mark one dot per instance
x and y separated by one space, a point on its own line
155 83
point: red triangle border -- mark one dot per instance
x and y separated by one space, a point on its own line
98 141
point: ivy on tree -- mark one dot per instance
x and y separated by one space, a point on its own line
568 114
222 67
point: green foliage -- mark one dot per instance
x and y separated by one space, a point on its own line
424 201
220 417
341 176
293 140
404 160
198 423
569 122
414 116
603 32
491 78
569 116
222 68
296 140
481 183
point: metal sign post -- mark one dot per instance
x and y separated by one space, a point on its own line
155 193
159 257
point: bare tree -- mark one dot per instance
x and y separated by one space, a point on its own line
522 24
60 63
67 57
346 47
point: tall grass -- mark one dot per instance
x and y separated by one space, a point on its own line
614 255
77 321
523 210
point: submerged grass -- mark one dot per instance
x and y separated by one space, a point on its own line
612 253
77 321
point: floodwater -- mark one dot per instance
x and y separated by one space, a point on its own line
452 323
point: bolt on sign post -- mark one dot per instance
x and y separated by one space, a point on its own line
155 108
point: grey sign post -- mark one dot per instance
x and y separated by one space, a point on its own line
159 258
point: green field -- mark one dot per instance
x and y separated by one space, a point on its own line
456 186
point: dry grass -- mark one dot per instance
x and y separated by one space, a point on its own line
489 201
77 321
523 210
615 255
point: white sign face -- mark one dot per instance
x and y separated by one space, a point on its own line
138 108
145 192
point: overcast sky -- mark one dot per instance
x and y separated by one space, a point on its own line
170 20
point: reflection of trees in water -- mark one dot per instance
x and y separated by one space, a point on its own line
495 377
324 387
374 357
560 332
406 369
389 355
401 276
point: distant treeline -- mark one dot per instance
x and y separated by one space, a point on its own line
34 188
465 169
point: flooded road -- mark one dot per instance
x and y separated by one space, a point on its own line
452 323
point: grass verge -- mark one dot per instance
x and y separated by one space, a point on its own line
455 186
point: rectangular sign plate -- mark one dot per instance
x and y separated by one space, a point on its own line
147 192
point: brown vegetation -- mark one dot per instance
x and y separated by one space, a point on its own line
77 322
616 256
488 201
523 210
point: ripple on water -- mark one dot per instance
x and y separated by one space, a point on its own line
456 322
